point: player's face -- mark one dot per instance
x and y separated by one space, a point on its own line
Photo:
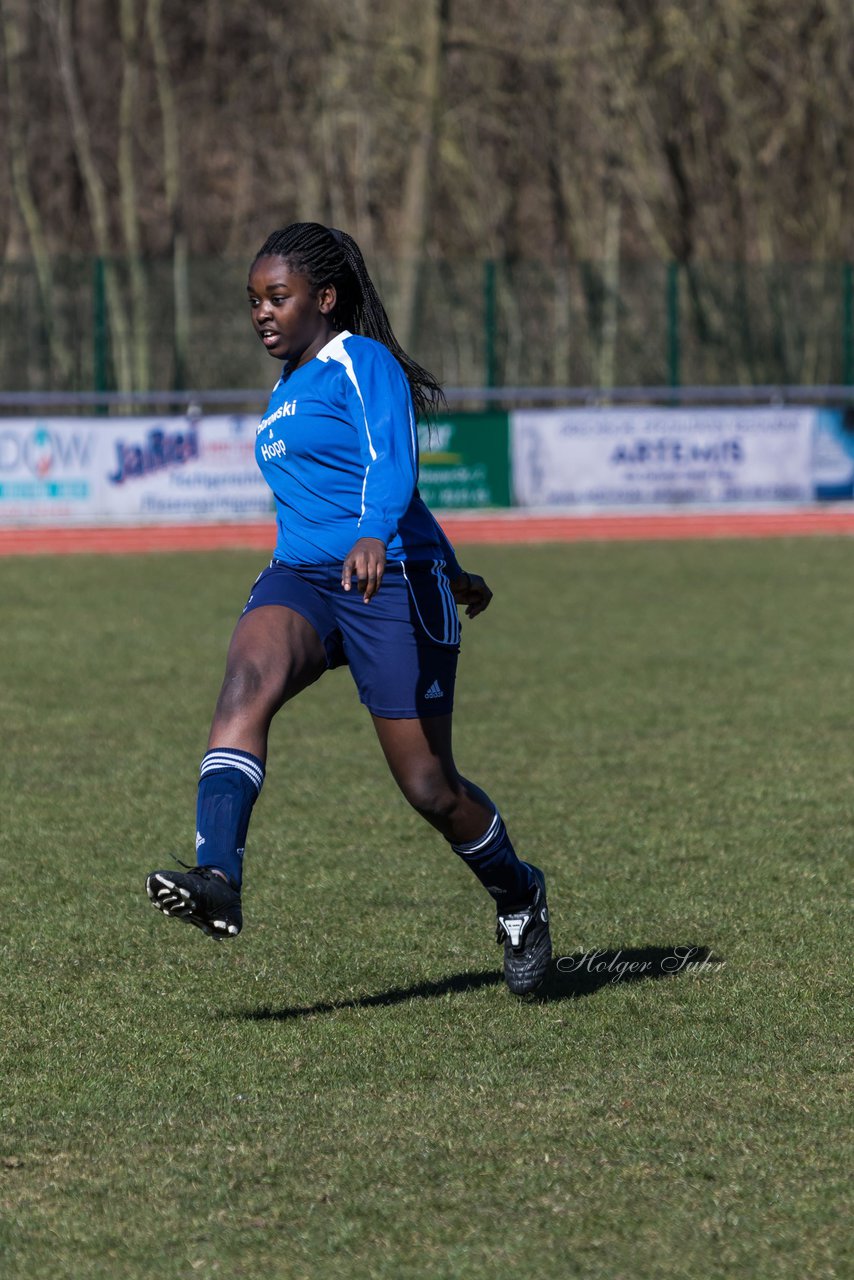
291 319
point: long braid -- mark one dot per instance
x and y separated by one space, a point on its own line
326 256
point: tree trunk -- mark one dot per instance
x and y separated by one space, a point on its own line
128 200
95 191
14 43
172 185
415 214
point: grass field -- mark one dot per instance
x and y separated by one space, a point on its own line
348 1090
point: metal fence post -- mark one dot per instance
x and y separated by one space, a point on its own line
99 327
673 349
490 371
847 324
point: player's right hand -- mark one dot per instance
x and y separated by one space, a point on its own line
366 563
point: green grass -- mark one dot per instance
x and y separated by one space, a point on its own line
348 1090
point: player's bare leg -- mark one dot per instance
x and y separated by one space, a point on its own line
420 756
274 654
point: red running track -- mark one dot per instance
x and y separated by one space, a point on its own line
509 527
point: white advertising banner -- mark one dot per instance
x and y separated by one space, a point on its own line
618 458
60 471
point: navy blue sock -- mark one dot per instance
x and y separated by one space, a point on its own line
229 783
493 860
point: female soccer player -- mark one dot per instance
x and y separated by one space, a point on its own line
363 576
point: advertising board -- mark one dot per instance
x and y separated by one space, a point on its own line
615 459
465 461
130 470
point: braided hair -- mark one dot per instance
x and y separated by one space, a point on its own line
326 256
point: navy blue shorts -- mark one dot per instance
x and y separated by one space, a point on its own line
401 647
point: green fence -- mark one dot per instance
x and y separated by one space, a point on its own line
478 324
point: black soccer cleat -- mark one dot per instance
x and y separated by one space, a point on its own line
200 897
527 942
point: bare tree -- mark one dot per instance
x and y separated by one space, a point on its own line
417 197
171 153
59 16
129 26
13 14
585 138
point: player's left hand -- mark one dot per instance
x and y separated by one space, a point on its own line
366 563
471 590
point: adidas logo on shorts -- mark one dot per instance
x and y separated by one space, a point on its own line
435 690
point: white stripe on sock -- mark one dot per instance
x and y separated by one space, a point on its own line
475 848
217 761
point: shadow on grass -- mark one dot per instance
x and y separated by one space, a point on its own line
395 995
569 978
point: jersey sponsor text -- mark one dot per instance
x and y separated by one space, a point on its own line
286 409
276 449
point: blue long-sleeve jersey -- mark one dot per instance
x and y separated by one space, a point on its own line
339 449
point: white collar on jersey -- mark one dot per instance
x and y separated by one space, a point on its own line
329 352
